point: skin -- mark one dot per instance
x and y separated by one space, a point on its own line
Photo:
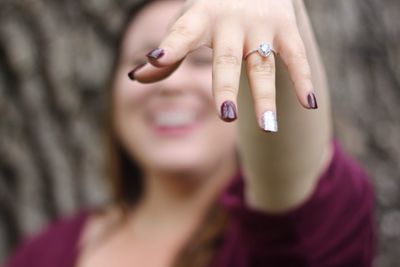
233 28
184 175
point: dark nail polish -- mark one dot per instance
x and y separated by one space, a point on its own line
155 53
131 74
312 101
228 111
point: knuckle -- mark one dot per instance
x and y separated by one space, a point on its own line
287 21
301 68
226 89
263 68
230 60
266 97
182 31
298 55
306 74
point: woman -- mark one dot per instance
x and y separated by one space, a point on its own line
179 172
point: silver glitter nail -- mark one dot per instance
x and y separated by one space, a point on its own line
269 122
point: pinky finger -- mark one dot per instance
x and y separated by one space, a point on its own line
293 54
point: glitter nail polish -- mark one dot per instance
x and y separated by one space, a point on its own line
269 122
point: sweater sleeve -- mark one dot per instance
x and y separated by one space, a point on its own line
333 227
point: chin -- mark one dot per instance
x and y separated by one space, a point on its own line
181 162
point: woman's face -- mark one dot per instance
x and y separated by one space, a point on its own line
171 125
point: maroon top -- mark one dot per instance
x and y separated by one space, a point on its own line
334 227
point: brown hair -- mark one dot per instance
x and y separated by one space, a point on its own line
126 181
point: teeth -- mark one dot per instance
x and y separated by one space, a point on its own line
171 119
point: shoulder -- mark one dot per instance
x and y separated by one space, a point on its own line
55 242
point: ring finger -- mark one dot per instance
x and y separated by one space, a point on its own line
261 73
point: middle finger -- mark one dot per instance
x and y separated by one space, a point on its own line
227 62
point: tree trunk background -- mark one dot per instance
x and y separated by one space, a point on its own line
55 57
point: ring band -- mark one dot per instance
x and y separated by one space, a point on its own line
264 49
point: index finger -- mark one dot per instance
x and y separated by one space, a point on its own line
185 35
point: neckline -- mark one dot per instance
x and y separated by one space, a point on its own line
83 217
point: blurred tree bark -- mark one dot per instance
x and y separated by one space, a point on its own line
55 57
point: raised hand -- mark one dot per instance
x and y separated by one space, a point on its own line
252 30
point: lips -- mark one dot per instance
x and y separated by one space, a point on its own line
174 119
174 122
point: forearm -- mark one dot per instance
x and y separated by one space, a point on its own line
282 168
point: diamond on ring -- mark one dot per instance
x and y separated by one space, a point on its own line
264 49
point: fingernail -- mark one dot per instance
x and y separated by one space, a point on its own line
312 101
269 122
228 111
131 74
155 53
